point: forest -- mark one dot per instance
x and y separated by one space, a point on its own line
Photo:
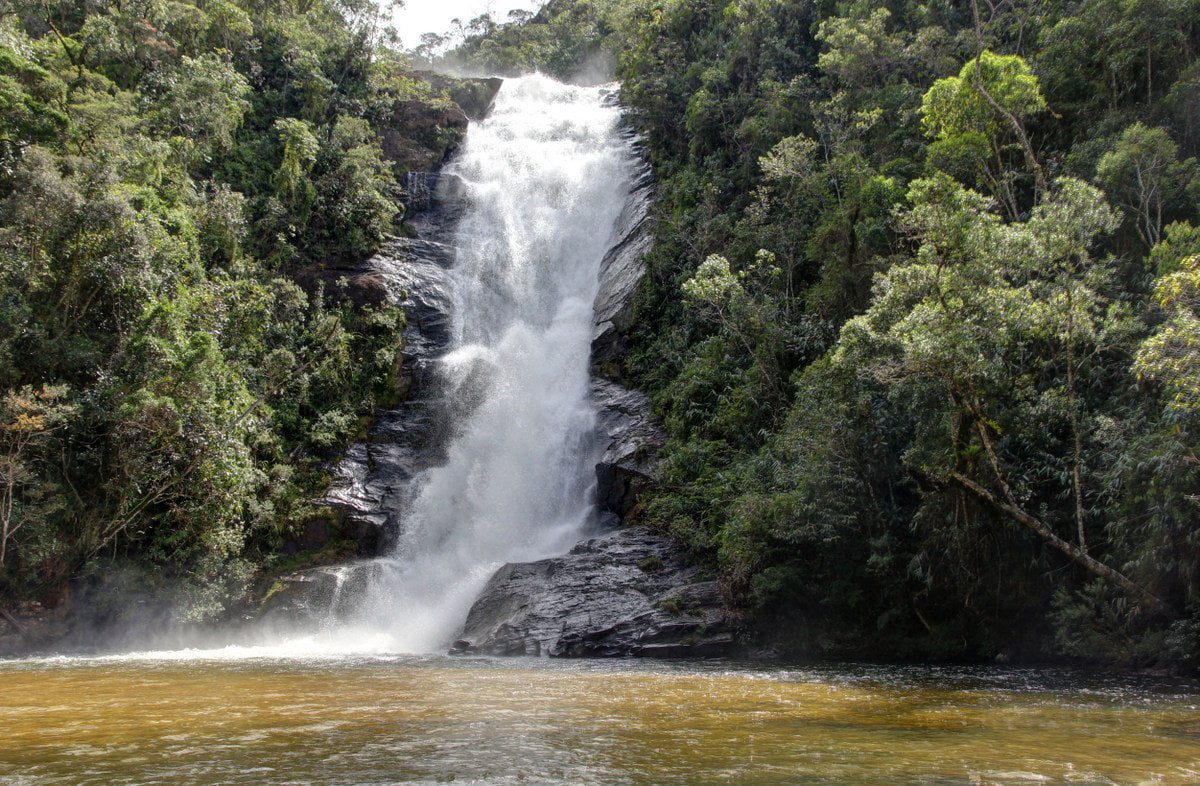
921 317
170 175
921 320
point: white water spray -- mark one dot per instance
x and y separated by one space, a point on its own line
546 176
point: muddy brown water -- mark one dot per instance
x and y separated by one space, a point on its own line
169 719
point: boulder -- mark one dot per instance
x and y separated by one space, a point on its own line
317 596
630 592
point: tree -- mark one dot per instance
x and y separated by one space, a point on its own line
1111 52
157 161
980 299
1172 354
31 106
199 104
971 119
1182 240
432 45
1143 174
356 196
829 205
27 417
719 290
300 148
859 50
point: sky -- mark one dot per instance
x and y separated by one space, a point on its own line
425 16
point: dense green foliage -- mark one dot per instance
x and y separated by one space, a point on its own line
168 170
921 319
921 315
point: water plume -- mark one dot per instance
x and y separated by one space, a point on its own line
546 176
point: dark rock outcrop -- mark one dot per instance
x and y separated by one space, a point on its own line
621 272
632 439
629 592
420 134
372 482
475 96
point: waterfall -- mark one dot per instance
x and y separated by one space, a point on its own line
545 178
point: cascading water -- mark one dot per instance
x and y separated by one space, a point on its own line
545 176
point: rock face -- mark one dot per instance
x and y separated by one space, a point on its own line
632 439
372 482
621 272
628 592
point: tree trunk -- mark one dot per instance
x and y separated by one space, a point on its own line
1036 525
6 506
1077 458
1008 504
1035 166
11 620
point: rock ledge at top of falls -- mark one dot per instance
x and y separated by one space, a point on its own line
629 592
419 134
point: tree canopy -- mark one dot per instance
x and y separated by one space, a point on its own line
955 413
170 174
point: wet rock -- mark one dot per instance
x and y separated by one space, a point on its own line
367 290
628 592
419 134
304 595
372 482
318 595
621 273
632 439
434 201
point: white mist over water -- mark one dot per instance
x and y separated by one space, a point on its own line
545 176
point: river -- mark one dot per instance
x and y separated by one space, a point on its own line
223 718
